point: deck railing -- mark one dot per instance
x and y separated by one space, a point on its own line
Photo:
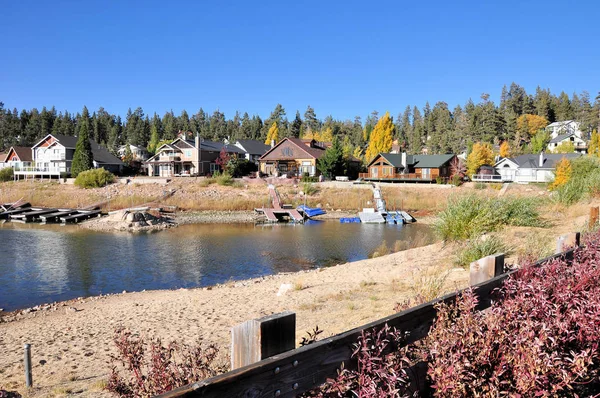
401 176
489 178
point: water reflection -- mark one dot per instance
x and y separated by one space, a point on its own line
47 263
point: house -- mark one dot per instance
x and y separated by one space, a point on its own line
2 162
567 131
253 149
527 168
291 156
188 157
139 153
395 167
53 155
18 157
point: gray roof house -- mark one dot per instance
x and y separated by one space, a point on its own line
400 167
530 168
253 149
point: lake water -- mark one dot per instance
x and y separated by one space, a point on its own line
42 264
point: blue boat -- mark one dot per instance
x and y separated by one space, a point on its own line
310 211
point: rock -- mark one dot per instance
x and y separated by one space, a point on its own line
70 310
42 362
284 288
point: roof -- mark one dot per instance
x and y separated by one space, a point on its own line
315 153
2 157
102 155
560 138
66 140
558 124
531 161
431 161
213 146
417 161
23 152
254 147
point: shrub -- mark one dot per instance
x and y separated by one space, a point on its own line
152 368
94 178
456 180
6 174
381 250
480 185
583 181
542 339
469 216
439 180
224 179
307 178
309 189
479 248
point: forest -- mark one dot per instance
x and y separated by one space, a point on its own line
438 128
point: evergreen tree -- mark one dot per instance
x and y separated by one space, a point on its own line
296 127
154 139
331 164
381 137
83 157
311 123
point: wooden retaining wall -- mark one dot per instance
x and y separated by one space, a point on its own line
296 371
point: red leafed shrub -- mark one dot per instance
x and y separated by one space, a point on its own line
382 369
541 340
154 369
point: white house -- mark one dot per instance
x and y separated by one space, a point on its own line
53 155
17 157
527 168
567 131
139 153
253 149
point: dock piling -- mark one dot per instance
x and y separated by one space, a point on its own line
27 359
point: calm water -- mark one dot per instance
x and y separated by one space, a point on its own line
40 264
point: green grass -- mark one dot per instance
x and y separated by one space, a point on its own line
479 248
469 216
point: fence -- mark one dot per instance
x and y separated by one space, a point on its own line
289 373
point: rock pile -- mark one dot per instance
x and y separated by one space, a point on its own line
130 221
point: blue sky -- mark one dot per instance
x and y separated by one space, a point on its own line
344 58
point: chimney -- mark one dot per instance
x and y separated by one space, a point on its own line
197 141
404 160
541 159
272 143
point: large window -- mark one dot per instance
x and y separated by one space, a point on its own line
425 173
387 171
374 171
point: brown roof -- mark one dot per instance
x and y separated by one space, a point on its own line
23 152
312 152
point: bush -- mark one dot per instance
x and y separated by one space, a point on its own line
224 179
94 178
584 182
6 174
479 248
152 368
456 180
439 180
307 178
309 189
541 339
469 216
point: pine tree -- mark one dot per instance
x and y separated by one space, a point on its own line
273 134
296 127
381 137
83 157
331 164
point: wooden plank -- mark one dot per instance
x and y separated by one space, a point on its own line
258 339
51 216
594 213
294 372
486 268
566 241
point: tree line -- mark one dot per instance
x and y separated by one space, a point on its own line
438 128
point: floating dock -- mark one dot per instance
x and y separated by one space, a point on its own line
24 213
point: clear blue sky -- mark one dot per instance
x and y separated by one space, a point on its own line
344 58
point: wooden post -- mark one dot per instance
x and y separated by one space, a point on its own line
27 365
257 339
593 217
486 268
566 241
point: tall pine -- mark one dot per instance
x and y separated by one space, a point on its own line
83 158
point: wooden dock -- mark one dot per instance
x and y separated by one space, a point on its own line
25 214
279 212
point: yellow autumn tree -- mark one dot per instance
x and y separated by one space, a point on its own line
325 135
480 155
594 145
530 124
309 135
381 137
505 149
562 173
273 134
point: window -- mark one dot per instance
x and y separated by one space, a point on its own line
188 153
426 173
283 167
387 171
214 167
374 171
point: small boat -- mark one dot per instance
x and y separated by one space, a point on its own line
310 211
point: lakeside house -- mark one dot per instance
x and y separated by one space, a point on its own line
401 167
17 157
525 168
293 157
566 131
139 153
184 157
53 155
253 149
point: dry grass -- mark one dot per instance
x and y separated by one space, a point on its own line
428 284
